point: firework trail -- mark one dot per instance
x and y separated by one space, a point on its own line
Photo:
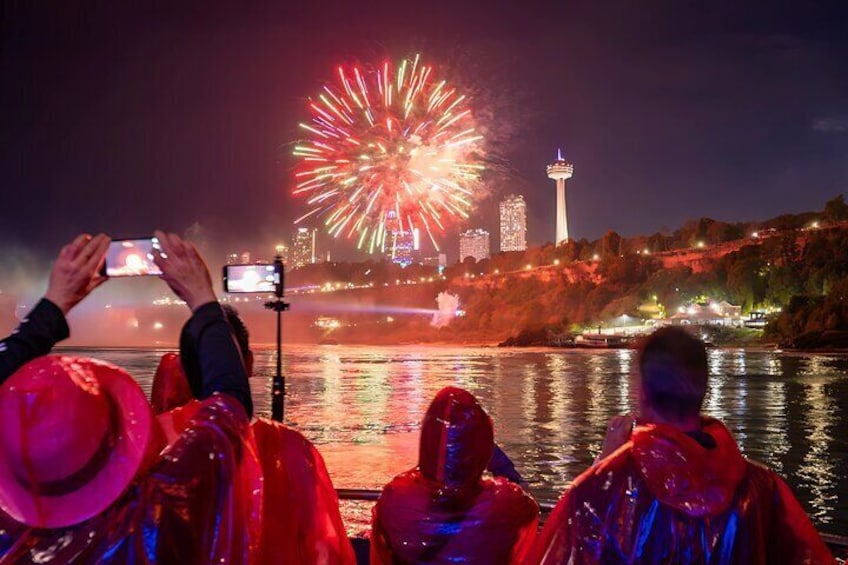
388 149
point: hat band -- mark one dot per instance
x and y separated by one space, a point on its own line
85 474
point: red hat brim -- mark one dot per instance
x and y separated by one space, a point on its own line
133 436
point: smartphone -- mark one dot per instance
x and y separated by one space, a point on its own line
132 258
251 278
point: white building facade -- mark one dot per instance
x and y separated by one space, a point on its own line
474 243
513 212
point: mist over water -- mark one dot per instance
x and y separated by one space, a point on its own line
448 306
362 407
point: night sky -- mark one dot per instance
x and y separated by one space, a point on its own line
126 119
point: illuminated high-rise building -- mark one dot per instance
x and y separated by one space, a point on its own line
560 171
513 223
399 244
282 251
474 243
303 248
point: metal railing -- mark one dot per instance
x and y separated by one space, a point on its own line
836 542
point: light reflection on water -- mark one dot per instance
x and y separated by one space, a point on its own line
362 406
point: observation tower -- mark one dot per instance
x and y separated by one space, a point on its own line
560 171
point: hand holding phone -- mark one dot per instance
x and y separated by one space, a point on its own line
184 271
77 271
132 257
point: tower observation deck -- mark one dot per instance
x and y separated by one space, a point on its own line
560 171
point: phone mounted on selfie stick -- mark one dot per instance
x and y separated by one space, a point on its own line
278 390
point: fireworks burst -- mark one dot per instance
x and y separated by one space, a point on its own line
389 149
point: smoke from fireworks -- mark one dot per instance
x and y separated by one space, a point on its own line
388 149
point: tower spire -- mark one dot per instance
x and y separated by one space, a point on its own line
560 171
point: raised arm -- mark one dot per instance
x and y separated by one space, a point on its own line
75 274
220 364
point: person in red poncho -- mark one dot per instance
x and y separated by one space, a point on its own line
301 521
443 510
82 479
677 489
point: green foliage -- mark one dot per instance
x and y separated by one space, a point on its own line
836 210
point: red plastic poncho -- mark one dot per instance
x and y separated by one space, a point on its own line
664 498
199 504
170 385
443 511
301 521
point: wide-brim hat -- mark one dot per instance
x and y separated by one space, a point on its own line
89 407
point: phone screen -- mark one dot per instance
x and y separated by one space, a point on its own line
132 257
250 278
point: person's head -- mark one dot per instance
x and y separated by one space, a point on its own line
190 359
674 373
74 434
456 440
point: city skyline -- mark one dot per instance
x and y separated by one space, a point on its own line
137 119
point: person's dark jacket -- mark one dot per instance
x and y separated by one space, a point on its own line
210 372
36 335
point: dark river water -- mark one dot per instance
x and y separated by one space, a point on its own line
362 406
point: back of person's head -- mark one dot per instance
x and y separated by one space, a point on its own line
190 359
74 434
673 368
456 441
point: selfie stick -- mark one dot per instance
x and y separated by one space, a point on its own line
278 391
